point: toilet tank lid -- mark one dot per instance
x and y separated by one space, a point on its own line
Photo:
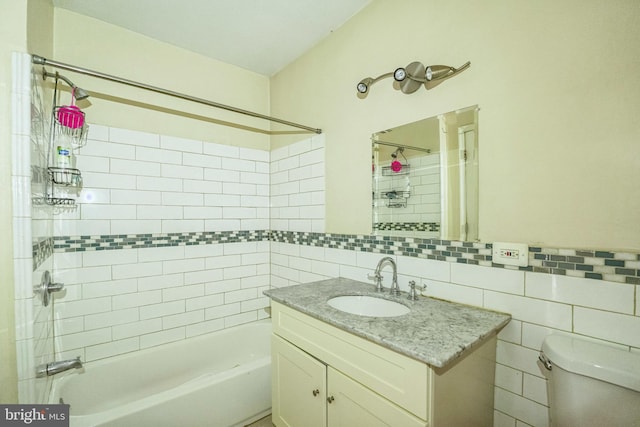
594 360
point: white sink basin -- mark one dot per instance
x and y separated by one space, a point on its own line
363 305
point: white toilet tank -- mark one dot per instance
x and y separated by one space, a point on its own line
590 384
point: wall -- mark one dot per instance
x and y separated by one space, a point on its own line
559 163
12 38
319 89
564 135
539 303
32 230
297 190
168 240
15 36
96 45
417 215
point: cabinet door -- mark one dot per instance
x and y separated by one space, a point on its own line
350 404
298 387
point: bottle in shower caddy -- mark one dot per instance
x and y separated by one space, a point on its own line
64 154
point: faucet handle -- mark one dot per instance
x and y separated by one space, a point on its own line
413 293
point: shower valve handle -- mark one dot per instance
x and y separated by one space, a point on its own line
46 287
55 287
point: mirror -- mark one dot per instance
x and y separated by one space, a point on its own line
425 178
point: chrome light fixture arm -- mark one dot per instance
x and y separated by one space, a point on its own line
364 84
414 75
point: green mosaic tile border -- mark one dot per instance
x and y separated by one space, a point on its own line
407 226
623 267
140 241
40 251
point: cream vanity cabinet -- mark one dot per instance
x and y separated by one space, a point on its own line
309 393
325 376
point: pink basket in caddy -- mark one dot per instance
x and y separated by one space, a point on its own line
70 115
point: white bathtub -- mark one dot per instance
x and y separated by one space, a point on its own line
219 379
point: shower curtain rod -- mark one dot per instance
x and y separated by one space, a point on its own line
394 144
39 60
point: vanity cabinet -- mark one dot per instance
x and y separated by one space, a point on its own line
326 376
299 386
309 393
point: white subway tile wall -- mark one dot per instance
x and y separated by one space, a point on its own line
539 303
32 228
118 301
142 183
298 186
422 186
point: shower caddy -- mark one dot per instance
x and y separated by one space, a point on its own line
394 198
66 122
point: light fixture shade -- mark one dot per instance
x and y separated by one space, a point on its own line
400 74
411 84
363 85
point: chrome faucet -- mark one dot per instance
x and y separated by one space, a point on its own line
395 289
53 368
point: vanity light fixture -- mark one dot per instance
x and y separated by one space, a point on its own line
411 77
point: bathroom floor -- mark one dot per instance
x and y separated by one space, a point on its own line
263 422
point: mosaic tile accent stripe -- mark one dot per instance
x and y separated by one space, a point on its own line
621 267
593 264
138 241
441 250
41 250
407 226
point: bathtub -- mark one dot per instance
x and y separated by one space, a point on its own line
219 379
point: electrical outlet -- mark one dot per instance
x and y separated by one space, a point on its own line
511 254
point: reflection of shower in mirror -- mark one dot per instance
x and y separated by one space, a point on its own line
396 165
425 178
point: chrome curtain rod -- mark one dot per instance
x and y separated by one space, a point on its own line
394 144
39 60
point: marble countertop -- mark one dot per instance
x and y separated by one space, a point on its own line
434 331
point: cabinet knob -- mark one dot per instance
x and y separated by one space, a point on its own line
330 399
316 392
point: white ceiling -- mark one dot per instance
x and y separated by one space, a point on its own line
258 35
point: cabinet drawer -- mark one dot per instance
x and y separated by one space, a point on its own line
400 379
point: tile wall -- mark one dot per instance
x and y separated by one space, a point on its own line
539 302
32 229
141 183
420 216
147 256
298 186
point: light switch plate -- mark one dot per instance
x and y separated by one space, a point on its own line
511 254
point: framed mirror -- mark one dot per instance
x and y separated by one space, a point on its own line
425 178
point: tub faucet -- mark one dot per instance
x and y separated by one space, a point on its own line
56 367
394 290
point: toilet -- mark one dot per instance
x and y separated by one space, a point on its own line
590 384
